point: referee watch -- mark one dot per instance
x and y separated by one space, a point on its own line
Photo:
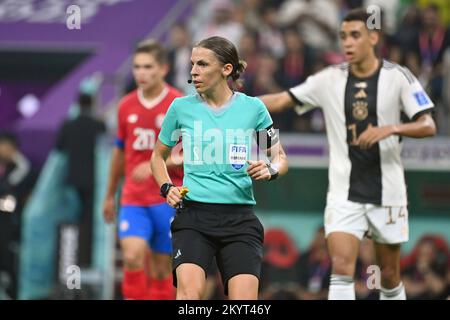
165 189
273 170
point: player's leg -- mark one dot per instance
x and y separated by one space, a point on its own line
343 249
161 243
345 225
389 228
134 230
388 259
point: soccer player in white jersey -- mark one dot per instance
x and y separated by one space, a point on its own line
362 101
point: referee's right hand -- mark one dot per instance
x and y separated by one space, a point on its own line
174 196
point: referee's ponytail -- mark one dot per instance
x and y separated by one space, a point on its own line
237 73
226 52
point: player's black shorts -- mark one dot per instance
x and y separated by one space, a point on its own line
232 233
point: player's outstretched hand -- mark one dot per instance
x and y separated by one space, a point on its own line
109 209
258 170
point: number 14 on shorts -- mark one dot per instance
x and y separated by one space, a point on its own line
391 215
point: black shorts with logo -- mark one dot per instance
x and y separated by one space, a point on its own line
230 232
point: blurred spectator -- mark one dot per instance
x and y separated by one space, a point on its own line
347 5
249 51
16 182
296 65
279 276
179 58
271 38
442 5
407 30
314 270
426 51
248 13
426 272
221 23
265 79
16 176
388 47
299 62
317 21
366 258
77 138
425 59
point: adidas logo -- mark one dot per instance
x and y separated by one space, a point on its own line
178 254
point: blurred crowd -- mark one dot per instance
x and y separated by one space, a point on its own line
288 274
285 41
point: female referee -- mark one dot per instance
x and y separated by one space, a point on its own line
215 218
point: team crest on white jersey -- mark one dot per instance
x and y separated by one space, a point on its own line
360 110
132 118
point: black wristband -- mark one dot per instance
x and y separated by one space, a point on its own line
273 176
273 172
165 189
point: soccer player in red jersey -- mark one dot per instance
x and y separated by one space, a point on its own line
144 218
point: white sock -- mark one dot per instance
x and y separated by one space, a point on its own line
397 293
341 288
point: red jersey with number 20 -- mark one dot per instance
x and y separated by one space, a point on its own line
139 123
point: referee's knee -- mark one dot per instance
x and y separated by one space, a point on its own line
191 282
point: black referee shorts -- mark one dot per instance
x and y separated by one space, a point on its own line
232 233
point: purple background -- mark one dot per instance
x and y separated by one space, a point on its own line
113 33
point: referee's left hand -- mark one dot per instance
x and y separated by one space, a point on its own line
258 170
372 135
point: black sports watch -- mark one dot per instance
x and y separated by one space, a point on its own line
165 189
273 170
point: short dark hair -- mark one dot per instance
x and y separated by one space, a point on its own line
226 52
361 14
152 47
358 14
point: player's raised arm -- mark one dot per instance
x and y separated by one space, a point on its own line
303 97
278 102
